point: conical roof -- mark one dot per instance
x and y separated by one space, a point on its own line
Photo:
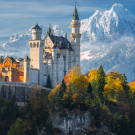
75 14
36 27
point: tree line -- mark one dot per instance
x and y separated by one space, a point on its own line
109 98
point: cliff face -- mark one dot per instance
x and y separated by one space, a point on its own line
77 124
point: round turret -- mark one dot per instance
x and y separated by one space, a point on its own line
36 32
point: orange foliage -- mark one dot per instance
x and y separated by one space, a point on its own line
74 97
94 127
72 74
106 88
132 86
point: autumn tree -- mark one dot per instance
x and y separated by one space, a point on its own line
132 88
54 95
92 75
101 81
81 85
113 89
72 74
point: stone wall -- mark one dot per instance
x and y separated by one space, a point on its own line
19 90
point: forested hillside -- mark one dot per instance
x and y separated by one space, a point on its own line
109 98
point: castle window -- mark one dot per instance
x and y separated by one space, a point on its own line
34 45
17 72
31 45
21 78
77 55
17 77
37 44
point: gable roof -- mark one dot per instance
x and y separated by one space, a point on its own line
64 41
36 27
13 60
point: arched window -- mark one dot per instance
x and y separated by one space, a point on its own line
34 45
30 45
37 44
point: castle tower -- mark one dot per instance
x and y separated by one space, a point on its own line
75 37
26 69
54 65
36 52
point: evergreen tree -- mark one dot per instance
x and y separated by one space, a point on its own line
132 116
89 89
18 128
10 93
1 58
62 88
125 84
48 83
101 81
70 132
33 127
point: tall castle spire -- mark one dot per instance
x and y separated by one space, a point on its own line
75 14
75 37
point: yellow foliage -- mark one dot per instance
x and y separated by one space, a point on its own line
72 74
54 93
74 97
113 86
81 83
66 96
92 74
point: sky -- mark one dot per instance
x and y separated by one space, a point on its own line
18 16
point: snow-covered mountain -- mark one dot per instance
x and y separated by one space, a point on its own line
108 38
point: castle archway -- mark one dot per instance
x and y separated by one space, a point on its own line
6 79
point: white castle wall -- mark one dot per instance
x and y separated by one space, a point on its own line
34 76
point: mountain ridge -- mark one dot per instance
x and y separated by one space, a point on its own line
108 39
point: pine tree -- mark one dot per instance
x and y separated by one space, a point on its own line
89 89
101 81
48 83
125 84
70 132
62 88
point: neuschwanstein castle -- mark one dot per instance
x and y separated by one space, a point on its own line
52 56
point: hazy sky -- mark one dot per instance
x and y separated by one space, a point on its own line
17 16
